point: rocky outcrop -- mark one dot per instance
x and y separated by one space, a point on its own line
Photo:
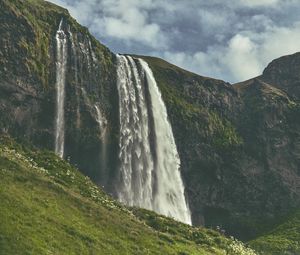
239 144
270 130
27 87
283 73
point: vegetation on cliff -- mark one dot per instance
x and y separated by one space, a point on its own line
182 91
40 21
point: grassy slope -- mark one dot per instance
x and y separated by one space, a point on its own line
284 239
48 207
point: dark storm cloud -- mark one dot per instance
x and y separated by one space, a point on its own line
231 40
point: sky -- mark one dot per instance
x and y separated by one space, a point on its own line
232 40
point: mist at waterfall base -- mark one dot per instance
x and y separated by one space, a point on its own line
149 172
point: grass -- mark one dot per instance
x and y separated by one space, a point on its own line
283 239
48 207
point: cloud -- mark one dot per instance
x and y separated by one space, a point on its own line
127 20
244 56
255 3
133 26
227 39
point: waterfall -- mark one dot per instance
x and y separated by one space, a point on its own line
88 53
74 53
101 120
135 155
102 123
92 53
150 165
102 126
75 60
61 65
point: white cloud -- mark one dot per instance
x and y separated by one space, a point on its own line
120 19
280 41
243 57
133 25
255 3
228 39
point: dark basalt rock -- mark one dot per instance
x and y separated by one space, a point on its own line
284 74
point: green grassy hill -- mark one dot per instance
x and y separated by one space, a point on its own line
284 239
48 207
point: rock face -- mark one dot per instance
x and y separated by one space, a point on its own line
239 144
283 73
28 77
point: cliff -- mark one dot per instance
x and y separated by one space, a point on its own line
238 144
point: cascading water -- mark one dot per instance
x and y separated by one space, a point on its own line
61 64
75 60
101 120
102 123
92 53
135 155
149 174
74 53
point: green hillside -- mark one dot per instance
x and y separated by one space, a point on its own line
48 207
284 239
